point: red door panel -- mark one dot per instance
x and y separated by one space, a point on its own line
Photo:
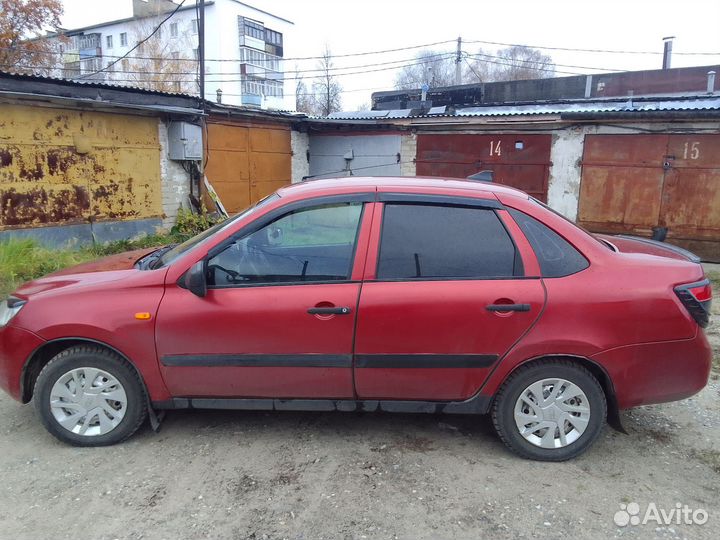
257 341
426 325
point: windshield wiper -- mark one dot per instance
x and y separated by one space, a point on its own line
149 261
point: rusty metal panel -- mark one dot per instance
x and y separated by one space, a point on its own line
517 160
60 166
635 183
247 161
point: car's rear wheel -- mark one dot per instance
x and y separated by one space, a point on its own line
550 410
90 396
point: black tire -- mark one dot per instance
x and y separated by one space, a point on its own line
504 406
91 356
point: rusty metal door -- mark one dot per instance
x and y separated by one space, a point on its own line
636 183
246 162
517 160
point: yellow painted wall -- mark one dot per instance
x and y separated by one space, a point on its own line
62 166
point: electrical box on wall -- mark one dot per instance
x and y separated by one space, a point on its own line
185 141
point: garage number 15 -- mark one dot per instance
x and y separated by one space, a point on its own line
690 150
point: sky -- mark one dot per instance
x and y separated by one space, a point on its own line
375 25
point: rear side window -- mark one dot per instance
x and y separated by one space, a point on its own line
435 241
557 257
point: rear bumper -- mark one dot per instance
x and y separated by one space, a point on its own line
648 373
16 346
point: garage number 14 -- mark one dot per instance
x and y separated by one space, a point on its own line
495 148
691 150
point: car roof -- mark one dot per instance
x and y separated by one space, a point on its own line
372 183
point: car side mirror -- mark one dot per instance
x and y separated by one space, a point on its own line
195 280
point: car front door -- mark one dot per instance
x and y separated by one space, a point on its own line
445 299
279 314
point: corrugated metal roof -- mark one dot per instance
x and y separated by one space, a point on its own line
611 105
90 83
629 105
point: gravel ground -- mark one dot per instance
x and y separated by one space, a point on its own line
335 476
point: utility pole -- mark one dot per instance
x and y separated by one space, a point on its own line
201 48
458 59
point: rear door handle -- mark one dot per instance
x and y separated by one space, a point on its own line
508 307
328 310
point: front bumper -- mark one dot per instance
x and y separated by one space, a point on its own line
16 346
647 373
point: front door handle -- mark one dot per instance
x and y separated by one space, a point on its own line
508 307
328 310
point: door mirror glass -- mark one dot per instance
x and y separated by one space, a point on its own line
194 279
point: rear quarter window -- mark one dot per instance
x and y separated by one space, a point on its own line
556 256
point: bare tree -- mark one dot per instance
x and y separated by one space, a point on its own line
23 19
326 89
514 63
431 67
303 101
160 64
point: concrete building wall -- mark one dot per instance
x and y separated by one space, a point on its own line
408 152
300 164
175 181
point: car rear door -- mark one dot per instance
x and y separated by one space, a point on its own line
279 315
446 295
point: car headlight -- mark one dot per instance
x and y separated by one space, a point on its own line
9 308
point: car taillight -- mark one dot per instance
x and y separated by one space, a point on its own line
697 298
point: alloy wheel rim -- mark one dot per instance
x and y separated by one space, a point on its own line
88 401
552 413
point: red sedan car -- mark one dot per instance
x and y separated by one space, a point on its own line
399 294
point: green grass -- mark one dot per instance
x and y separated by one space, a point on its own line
23 260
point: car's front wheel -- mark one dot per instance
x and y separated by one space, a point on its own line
550 410
89 396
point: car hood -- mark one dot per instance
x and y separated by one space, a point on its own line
636 244
121 261
97 272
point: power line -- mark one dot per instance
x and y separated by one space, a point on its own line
287 59
218 77
138 43
535 62
605 51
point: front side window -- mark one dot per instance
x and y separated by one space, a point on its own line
436 241
309 245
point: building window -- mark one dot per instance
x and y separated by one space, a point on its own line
196 54
251 28
123 39
273 37
261 59
173 30
175 55
125 65
261 87
108 42
194 26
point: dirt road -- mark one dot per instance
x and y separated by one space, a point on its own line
335 476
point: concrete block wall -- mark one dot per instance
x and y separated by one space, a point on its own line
299 146
174 179
408 152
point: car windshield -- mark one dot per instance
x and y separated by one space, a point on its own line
178 250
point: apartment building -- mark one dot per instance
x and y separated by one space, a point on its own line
244 51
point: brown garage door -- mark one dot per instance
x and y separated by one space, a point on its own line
635 183
247 162
517 160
